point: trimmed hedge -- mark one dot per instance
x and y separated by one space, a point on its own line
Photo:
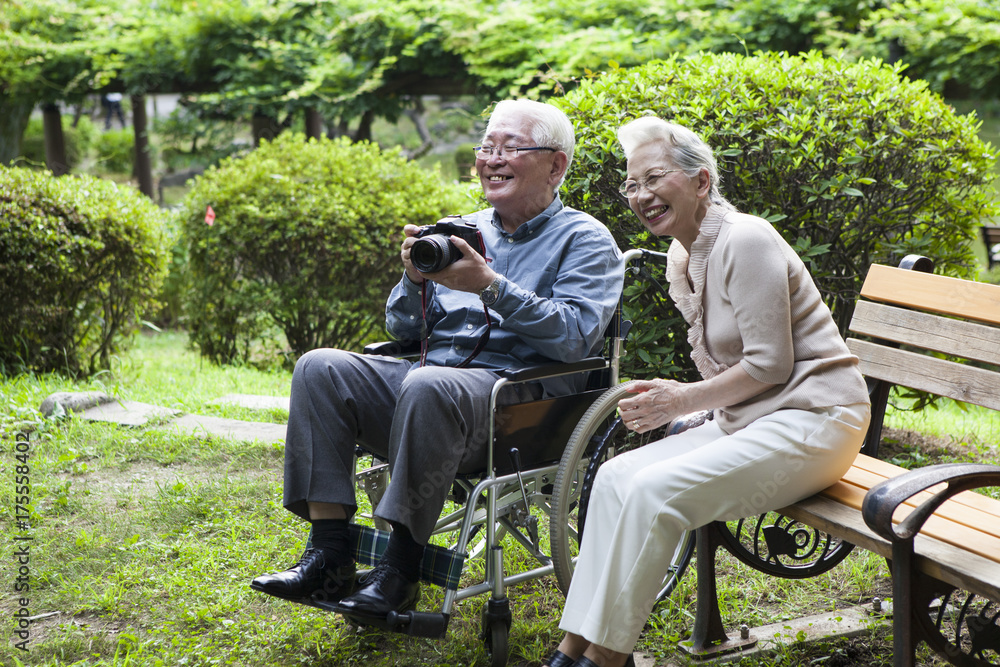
853 164
305 244
81 260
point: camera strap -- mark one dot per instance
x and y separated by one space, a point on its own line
479 345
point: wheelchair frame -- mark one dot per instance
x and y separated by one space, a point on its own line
558 486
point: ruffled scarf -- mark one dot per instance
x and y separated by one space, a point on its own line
689 297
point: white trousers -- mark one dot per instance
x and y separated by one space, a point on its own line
644 500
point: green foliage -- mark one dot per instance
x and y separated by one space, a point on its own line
81 261
357 59
954 45
852 163
305 240
190 139
792 27
115 151
78 141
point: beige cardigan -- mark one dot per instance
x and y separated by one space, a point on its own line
751 301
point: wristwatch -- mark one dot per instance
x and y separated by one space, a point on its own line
491 292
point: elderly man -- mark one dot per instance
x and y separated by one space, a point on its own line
542 286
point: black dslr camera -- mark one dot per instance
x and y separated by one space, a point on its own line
434 250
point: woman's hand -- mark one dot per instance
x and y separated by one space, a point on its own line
655 404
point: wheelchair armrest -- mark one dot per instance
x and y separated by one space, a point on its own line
882 499
543 371
394 348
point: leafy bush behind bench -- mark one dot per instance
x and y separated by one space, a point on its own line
853 163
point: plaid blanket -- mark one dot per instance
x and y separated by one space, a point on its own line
439 566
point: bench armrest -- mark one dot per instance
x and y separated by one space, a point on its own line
882 499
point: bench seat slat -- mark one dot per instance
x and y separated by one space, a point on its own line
955 565
937 376
948 524
933 332
927 291
968 498
968 520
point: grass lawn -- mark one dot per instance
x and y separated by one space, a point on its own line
143 543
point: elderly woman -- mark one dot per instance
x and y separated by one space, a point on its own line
790 405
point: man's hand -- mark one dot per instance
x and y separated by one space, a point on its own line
469 274
411 233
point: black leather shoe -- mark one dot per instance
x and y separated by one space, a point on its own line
310 577
583 661
560 659
385 589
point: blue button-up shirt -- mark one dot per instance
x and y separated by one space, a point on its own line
562 277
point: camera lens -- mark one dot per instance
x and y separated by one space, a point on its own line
432 253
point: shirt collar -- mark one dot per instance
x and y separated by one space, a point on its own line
531 226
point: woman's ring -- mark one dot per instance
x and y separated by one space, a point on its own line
635 423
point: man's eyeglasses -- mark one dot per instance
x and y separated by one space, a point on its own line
631 188
508 152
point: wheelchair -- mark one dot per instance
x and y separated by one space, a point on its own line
542 458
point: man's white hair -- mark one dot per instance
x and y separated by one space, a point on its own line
549 126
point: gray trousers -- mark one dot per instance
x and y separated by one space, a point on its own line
430 423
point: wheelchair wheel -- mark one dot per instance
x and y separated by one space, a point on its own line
496 645
599 436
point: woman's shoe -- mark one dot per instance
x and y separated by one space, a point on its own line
560 659
584 661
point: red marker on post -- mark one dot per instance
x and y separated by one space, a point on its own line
209 216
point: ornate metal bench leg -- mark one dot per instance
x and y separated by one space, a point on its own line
709 637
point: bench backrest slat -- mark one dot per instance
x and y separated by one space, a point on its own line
927 291
932 332
937 376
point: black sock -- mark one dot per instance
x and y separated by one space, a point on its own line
403 552
333 538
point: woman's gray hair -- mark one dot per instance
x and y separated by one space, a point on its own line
685 149
549 126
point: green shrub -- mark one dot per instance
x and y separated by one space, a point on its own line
115 151
305 240
852 163
952 44
174 289
81 260
78 141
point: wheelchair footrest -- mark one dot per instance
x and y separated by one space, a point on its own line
418 623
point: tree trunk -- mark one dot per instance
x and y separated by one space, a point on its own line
416 115
264 127
55 142
364 131
13 120
314 124
142 164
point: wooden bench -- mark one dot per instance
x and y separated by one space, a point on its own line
941 538
991 237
